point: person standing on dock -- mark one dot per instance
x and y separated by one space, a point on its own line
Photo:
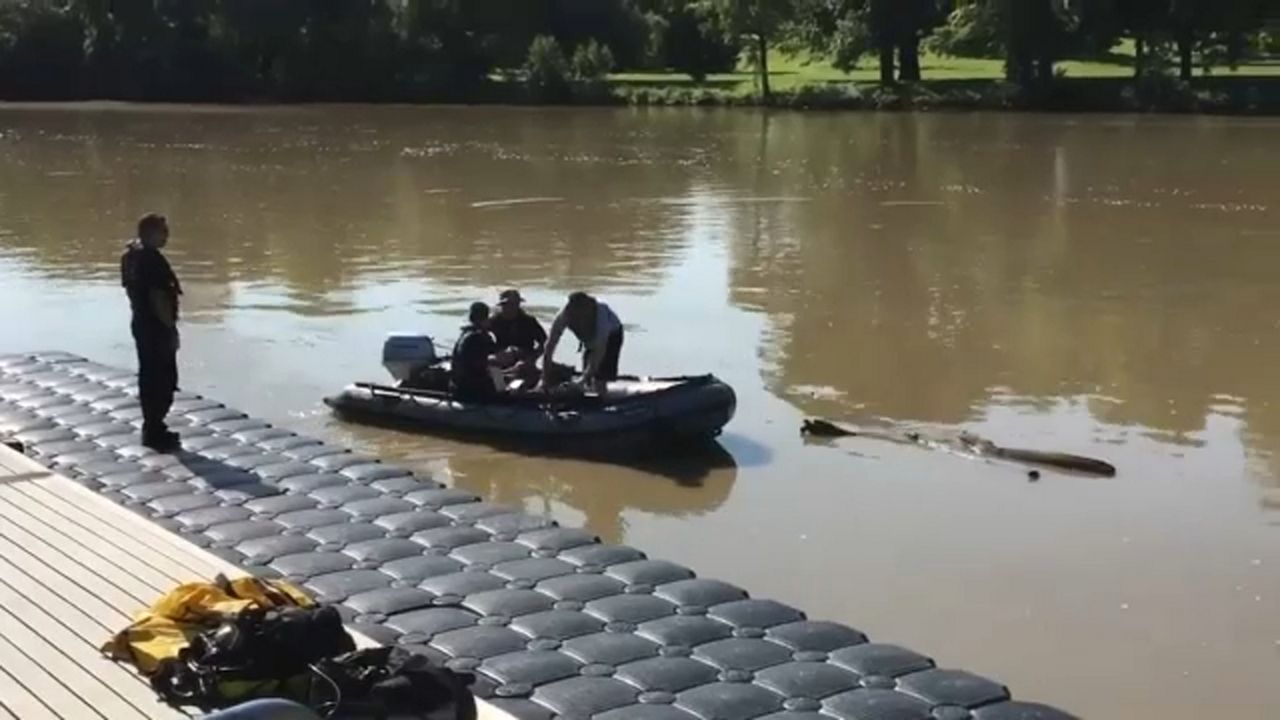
599 331
153 292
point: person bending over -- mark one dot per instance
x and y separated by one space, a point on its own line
600 333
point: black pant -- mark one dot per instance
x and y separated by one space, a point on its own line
612 352
157 375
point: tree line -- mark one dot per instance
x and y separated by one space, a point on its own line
454 49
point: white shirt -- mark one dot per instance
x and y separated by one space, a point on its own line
607 323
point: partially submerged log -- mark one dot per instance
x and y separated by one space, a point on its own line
972 445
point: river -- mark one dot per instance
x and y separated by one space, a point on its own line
1094 284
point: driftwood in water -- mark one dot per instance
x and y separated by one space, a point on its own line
973 445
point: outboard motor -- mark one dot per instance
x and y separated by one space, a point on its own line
404 355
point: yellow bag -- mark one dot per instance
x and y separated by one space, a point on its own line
167 627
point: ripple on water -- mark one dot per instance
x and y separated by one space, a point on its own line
1228 406
513 202
724 200
817 392
1231 207
1172 437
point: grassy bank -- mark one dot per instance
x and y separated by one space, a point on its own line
959 83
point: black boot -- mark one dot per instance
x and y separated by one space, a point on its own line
161 440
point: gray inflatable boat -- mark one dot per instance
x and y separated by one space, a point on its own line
677 409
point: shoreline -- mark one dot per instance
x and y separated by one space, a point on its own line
1227 96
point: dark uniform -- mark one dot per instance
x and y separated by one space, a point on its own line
470 366
522 332
143 270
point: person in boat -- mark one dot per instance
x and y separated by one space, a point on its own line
519 333
475 358
599 331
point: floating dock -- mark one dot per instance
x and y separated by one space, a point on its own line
552 622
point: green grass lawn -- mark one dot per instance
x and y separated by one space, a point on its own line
790 72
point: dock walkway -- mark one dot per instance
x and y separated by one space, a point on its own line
74 569
552 622
72 573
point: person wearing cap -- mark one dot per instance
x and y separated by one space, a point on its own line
599 331
514 329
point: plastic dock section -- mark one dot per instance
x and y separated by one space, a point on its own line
552 622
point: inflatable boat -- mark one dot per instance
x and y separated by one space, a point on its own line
675 409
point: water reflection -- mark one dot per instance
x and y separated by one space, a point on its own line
598 494
317 199
684 487
1041 256
944 270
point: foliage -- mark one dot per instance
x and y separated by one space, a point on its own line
655 51
974 30
1038 34
1220 30
764 21
547 71
1269 41
376 50
623 25
592 61
845 30
839 30
699 41
850 41
41 51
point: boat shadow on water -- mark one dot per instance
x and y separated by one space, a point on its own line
685 481
606 491
691 464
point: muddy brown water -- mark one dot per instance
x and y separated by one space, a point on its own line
1098 285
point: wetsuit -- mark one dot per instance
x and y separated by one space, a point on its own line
144 270
470 379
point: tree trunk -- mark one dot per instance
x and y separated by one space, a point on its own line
886 64
1185 65
1026 68
762 61
1020 67
1235 48
1044 68
909 57
1139 55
